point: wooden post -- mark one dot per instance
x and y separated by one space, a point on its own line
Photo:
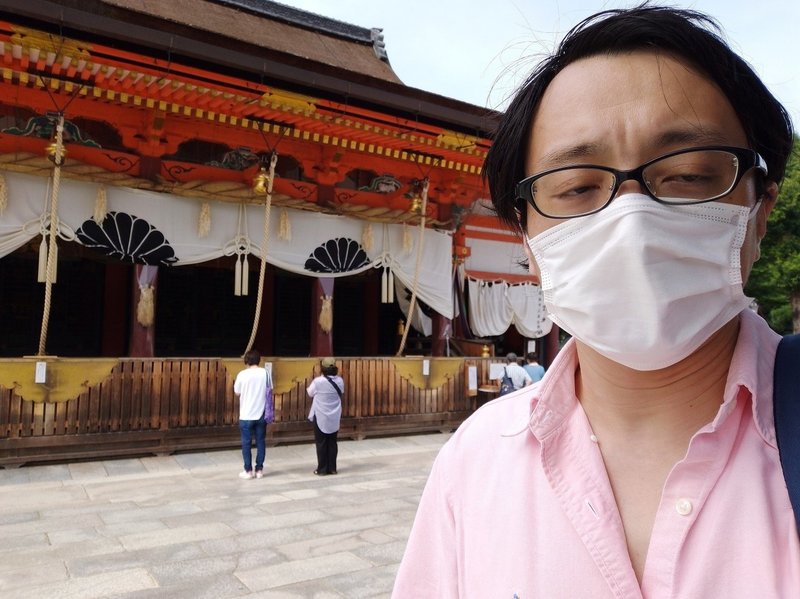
142 340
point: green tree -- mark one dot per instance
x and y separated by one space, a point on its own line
775 280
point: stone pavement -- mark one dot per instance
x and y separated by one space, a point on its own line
186 526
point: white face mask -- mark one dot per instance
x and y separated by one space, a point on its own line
642 283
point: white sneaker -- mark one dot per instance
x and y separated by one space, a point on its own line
259 474
245 474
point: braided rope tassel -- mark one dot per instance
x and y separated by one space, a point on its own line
3 194
204 222
326 314
146 307
100 205
285 229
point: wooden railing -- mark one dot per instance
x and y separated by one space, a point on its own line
166 405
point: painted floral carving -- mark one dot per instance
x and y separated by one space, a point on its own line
382 184
44 127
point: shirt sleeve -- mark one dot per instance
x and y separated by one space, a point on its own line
237 384
312 388
429 567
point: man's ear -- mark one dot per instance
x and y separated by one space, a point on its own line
768 199
533 268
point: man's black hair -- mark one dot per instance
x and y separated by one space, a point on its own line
686 34
252 358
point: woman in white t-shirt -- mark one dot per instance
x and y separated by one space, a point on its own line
251 387
326 413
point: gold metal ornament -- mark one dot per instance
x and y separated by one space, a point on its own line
51 154
260 182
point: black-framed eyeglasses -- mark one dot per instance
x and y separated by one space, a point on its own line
690 176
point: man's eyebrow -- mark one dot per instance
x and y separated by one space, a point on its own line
693 136
665 142
568 155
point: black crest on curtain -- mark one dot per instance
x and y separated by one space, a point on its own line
127 238
337 255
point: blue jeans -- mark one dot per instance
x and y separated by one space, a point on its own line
250 429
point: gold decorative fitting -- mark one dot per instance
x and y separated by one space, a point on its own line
51 154
260 182
485 353
416 204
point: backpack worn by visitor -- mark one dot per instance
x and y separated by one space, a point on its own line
506 384
786 406
269 405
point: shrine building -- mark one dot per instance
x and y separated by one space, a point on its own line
182 181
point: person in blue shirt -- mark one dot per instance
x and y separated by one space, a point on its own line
533 368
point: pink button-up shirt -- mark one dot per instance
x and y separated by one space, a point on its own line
518 504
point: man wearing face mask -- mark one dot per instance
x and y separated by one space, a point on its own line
640 163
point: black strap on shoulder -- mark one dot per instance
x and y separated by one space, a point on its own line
335 386
786 406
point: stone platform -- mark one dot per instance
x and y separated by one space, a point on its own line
186 526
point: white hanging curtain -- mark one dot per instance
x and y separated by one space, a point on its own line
420 322
496 305
161 229
489 312
22 219
527 305
501 257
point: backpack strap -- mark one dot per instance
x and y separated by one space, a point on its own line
334 385
786 406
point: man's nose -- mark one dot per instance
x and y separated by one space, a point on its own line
630 186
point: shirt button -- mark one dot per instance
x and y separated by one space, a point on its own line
593 438
683 507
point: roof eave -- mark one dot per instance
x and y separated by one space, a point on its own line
96 18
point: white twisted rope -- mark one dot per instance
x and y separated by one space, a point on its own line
413 303
263 271
51 248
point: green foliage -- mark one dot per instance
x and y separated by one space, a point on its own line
776 276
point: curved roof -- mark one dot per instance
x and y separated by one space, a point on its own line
276 28
257 41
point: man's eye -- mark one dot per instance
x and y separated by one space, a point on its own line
571 187
687 178
578 190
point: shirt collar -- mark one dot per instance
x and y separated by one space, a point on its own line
554 396
751 370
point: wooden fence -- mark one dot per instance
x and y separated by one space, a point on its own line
165 405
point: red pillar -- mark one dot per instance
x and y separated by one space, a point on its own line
142 340
321 342
440 331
